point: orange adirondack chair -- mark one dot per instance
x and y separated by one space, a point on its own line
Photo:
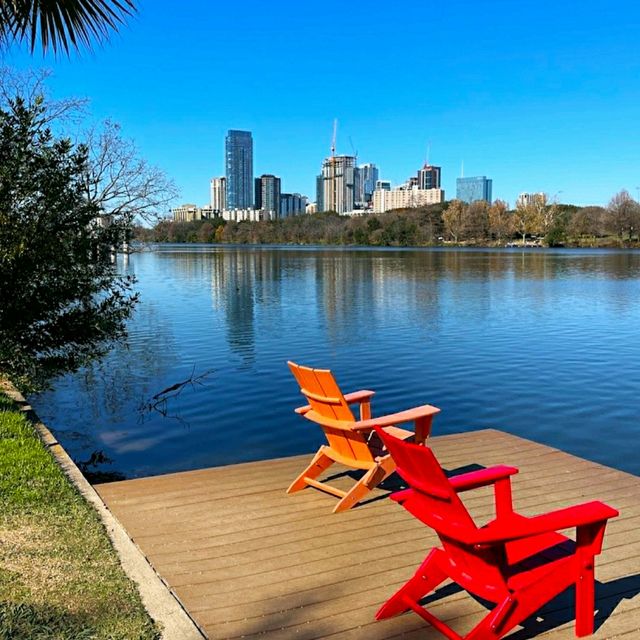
519 563
351 442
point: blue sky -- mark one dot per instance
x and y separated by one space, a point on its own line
539 96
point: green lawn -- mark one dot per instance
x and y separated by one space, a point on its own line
59 575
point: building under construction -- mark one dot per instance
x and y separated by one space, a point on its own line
338 180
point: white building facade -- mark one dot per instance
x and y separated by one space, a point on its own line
384 200
187 213
219 194
251 215
526 199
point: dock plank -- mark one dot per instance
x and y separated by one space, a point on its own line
247 560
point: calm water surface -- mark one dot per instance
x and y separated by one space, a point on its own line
543 344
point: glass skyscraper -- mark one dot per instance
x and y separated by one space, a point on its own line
472 189
268 193
238 147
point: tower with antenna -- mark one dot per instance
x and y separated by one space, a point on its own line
429 177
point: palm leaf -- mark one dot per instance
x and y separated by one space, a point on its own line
61 24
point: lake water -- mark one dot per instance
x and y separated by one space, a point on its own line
543 344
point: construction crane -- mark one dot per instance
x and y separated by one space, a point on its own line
355 151
333 139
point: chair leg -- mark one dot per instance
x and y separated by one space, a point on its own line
369 480
321 462
521 604
585 599
428 576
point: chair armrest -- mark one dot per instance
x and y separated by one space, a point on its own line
359 396
481 478
401 417
364 395
576 516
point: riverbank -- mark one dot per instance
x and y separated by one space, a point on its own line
477 225
59 575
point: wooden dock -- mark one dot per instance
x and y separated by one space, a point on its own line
247 560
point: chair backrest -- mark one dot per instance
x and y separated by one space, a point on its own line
436 503
327 402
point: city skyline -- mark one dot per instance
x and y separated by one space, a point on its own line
535 108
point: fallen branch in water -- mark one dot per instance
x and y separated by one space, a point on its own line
159 401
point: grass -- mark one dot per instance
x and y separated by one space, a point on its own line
60 578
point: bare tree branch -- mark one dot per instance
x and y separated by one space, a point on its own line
159 402
31 86
122 183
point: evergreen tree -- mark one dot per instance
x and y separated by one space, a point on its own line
62 301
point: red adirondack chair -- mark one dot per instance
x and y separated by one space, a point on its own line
517 562
350 441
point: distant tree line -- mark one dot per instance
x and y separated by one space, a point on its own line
453 222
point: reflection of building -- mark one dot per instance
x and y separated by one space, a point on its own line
385 200
233 290
472 189
219 194
246 287
526 199
268 193
292 204
239 169
338 183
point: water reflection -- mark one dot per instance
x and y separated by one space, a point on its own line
526 341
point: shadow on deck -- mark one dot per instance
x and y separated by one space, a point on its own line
247 560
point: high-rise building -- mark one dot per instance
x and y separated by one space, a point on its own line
338 183
472 189
366 176
358 189
319 193
292 204
239 169
429 177
369 178
218 194
385 185
268 193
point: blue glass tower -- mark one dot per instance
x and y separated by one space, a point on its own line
472 189
238 147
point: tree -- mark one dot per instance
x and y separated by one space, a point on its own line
62 300
454 219
121 183
623 215
587 221
527 218
476 226
61 24
500 222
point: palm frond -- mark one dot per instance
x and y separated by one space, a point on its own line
61 24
